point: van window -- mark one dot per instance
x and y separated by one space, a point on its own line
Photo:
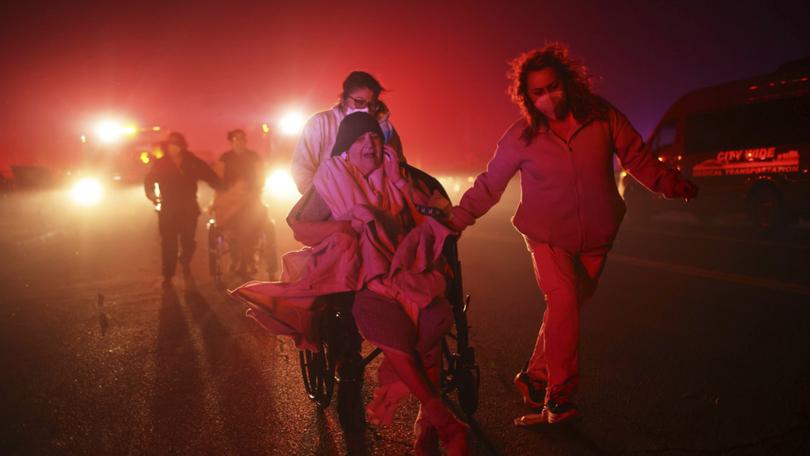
664 137
772 123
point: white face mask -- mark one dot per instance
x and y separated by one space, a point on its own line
550 104
353 110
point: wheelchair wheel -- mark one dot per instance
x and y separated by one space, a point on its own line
318 372
460 373
338 346
468 378
215 248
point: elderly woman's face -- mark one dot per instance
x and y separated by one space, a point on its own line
366 152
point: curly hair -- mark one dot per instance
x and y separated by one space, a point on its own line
576 82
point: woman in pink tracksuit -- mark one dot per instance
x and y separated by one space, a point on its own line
570 209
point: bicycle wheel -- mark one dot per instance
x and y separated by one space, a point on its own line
214 250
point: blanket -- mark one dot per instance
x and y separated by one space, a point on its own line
394 253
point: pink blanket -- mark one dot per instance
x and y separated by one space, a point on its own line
385 256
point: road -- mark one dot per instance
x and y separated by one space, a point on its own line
696 342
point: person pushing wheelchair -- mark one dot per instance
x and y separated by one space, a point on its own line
238 207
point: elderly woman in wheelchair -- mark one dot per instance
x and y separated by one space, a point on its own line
364 223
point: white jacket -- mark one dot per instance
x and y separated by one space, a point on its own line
318 138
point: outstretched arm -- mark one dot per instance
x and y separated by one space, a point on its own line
640 162
487 189
205 173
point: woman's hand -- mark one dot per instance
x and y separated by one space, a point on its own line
391 164
686 189
459 219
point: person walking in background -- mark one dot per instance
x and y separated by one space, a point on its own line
176 175
239 209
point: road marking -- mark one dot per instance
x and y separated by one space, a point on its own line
761 282
43 238
492 236
754 281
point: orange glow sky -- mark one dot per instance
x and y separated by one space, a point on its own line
205 69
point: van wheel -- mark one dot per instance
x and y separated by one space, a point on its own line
766 209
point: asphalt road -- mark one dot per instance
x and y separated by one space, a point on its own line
696 342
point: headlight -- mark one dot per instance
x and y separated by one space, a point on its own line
280 185
292 123
112 131
87 192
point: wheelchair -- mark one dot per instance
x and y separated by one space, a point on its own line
221 255
459 372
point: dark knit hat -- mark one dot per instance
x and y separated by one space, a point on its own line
354 126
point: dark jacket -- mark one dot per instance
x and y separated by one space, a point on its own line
178 185
247 167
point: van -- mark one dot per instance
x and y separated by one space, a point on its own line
746 144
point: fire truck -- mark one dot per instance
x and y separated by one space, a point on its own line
115 154
120 152
745 143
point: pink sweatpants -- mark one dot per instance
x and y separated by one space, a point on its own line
568 281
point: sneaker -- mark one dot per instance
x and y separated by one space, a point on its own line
557 412
533 392
551 414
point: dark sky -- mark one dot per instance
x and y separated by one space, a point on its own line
205 68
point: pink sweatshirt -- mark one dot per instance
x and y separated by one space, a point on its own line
569 195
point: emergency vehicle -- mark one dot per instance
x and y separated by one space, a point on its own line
746 144
117 154
120 152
